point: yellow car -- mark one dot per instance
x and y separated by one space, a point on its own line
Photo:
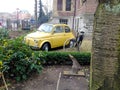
49 36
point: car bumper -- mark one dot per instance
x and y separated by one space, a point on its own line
30 42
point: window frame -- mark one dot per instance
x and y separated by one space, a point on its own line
63 21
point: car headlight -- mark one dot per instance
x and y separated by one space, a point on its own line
36 41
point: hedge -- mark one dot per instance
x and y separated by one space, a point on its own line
62 58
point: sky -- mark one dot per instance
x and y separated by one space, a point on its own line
12 5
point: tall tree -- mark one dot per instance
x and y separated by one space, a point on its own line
41 16
36 13
105 63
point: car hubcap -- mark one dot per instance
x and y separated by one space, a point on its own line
46 48
71 44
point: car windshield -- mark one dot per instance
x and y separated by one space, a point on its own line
45 28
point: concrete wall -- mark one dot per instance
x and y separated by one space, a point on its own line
85 23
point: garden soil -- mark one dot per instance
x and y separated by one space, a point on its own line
48 79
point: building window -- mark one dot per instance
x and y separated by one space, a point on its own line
59 5
84 1
68 5
64 21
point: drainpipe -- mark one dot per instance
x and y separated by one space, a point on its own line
74 14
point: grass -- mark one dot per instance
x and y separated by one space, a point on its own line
85 47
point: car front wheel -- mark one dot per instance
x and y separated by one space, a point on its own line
45 47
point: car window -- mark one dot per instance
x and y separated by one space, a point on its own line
59 29
67 29
45 28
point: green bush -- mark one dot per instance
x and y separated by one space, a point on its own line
4 33
62 58
18 60
19 67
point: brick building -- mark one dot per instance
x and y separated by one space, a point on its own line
78 14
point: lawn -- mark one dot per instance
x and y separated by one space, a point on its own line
86 46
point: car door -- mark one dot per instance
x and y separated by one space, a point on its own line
68 33
58 36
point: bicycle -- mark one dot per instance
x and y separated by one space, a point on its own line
75 42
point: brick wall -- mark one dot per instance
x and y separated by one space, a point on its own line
88 7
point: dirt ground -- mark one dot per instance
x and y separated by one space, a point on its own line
14 34
48 79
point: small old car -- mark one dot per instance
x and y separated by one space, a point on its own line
49 36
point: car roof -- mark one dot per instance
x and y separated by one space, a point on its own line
57 24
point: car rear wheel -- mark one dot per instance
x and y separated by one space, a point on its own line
46 47
71 43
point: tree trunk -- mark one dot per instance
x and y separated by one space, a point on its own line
105 63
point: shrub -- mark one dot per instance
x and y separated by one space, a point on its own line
1 65
62 58
21 67
18 60
4 33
